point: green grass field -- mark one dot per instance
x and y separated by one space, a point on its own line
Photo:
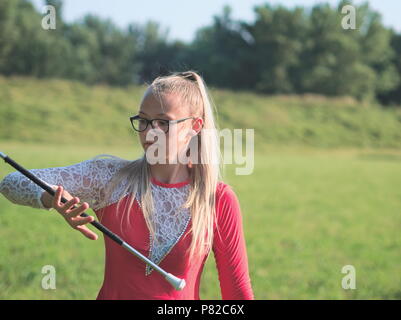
325 191
306 212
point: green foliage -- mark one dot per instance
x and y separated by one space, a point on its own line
223 55
394 95
279 35
283 51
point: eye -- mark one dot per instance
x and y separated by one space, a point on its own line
162 123
139 124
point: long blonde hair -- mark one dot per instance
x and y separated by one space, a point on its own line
204 175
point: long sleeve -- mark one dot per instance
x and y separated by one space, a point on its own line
230 249
84 180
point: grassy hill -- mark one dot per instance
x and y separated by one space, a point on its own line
59 111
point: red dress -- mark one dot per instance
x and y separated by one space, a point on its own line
125 278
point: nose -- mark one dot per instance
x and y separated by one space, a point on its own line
151 137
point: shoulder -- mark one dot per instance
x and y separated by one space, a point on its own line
224 190
228 210
226 198
107 163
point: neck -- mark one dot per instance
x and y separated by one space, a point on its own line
169 173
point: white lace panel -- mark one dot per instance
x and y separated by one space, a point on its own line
84 180
170 221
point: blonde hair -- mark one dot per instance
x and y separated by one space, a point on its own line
204 174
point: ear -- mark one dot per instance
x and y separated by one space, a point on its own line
197 126
195 129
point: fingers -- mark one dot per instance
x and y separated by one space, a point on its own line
76 211
72 214
69 206
81 221
78 223
57 204
74 219
57 196
87 233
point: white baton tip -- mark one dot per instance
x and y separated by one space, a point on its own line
3 155
182 284
176 282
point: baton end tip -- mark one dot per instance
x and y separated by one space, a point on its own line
181 285
3 155
177 283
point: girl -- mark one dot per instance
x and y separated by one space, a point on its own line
174 212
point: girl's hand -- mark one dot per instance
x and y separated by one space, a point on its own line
71 214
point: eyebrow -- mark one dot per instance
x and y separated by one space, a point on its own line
159 114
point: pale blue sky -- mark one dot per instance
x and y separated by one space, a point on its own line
184 17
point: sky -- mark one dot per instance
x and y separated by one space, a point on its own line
183 17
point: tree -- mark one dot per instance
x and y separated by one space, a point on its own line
223 53
280 36
283 51
8 33
394 96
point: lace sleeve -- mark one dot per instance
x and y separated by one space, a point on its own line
85 180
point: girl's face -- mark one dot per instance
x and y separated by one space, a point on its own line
179 134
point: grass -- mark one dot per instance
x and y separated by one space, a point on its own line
325 191
307 212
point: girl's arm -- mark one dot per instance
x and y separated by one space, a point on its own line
83 180
229 247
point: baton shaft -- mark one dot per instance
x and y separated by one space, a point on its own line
176 282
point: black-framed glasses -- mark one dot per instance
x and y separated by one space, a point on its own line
140 124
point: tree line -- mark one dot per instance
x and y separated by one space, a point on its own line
282 51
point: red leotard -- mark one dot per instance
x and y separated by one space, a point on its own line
125 274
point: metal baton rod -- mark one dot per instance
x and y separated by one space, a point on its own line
176 282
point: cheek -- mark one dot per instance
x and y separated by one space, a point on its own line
185 133
182 137
173 140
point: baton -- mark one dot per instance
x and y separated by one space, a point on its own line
176 282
